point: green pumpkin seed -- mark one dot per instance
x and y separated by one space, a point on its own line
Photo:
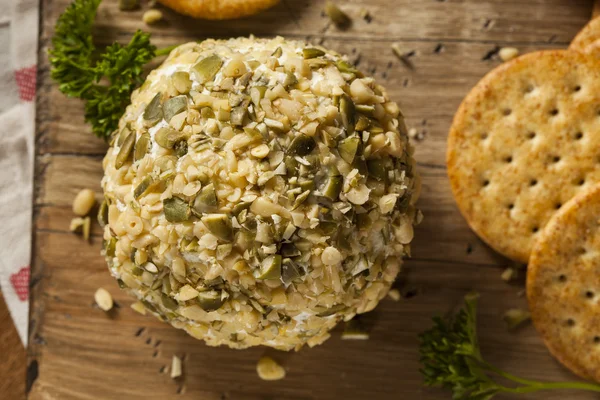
219 225
337 16
277 53
137 271
366 109
348 113
363 221
362 124
154 112
123 135
349 148
289 271
103 213
290 80
302 145
289 250
110 247
181 148
270 268
312 53
345 67
181 81
301 199
237 115
167 137
142 146
257 93
143 187
176 209
125 151
377 169
333 187
207 68
307 184
168 302
174 106
328 228
332 310
210 300
206 201
239 207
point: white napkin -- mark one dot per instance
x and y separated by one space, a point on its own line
18 58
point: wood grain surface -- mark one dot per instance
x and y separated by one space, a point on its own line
79 352
12 353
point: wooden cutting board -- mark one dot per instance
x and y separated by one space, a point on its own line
78 352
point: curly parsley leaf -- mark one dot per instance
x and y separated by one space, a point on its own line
104 80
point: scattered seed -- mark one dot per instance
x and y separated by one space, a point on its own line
354 330
269 370
394 294
403 56
176 369
128 5
337 16
103 299
515 317
508 53
151 17
84 201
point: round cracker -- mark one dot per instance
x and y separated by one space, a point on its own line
524 141
219 9
563 284
588 35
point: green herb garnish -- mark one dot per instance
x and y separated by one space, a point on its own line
103 79
451 359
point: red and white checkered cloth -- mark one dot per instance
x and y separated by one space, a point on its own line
18 58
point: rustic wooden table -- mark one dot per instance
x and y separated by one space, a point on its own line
79 352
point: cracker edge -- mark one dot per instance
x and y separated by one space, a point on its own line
452 146
552 229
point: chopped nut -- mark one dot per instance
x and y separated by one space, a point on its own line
331 256
515 317
508 53
269 370
138 307
84 202
260 151
103 299
176 369
151 17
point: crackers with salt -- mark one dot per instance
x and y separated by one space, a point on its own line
524 141
219 9
586 37
563 284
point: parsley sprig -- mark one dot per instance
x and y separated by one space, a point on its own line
103 79
451 359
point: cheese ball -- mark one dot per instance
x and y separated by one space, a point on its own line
258 192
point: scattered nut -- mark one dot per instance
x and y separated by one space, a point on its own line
176 369
83 203
152 17
508 53
103 299
337 16
515 317
509 274
394 294
269 370
81 225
